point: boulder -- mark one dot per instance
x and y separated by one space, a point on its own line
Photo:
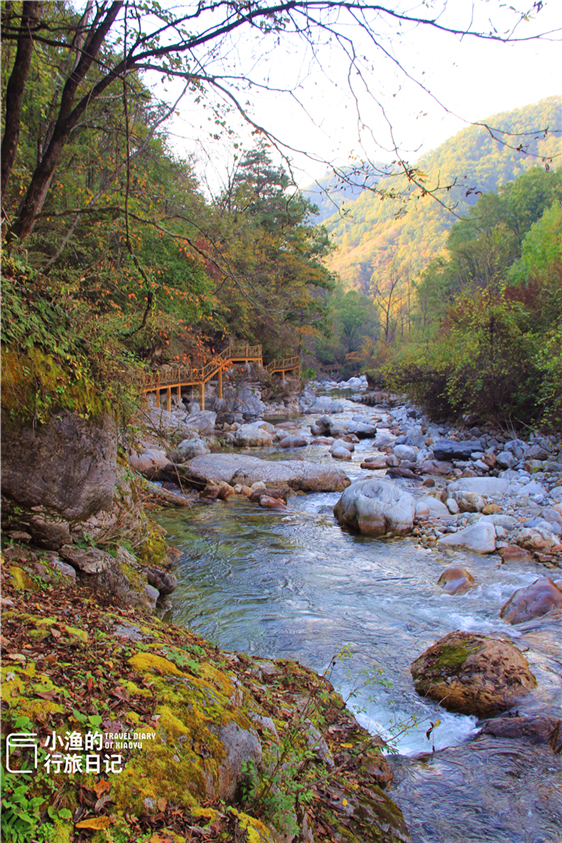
253 436
480 537
430 507
246 470
338 428
473 674
456 580
468 501
405 452
91 561
480 485
203 421
447 449
514 553
242 747
48 532
293 441
67 465
340 453
150 463
375 507
506 459
194 447
533 601
343 443
540 730
537 539
163 581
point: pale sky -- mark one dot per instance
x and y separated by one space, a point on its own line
471 78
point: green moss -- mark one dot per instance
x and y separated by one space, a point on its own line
453 656
21 580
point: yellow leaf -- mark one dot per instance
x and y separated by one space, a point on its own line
95 822
344 802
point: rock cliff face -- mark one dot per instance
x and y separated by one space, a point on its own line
67 465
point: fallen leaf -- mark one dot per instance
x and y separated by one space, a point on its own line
162 802
101 787
17 657
95 822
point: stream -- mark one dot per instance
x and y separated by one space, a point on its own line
293 584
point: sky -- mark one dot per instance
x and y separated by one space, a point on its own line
467 80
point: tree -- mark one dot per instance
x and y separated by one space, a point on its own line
192 42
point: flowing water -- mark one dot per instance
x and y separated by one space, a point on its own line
295 585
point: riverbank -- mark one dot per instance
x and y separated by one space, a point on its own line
139 574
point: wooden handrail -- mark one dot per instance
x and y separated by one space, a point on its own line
196 375
283 363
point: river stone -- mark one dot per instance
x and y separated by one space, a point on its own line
193 447
468 501
539 729
203 422
405 452
430 507
375 506
293 441
150 463
456 580
67 465
246 470
446 449
514 553
341 453
91 561
480 485
480 537
537 539
505 459
532 601
253 436
343 443
473 674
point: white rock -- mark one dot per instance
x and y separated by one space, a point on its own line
430 507
480 537
405 452
376 506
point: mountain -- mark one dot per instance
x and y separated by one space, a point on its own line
376 238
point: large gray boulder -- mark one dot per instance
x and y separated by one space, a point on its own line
245 470
203 422
256 435
67 465
375 507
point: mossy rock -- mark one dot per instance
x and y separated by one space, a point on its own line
473 674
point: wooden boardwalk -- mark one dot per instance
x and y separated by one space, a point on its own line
176 377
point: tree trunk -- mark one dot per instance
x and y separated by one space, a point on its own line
66 120
16 85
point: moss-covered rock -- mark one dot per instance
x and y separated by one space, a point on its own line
473 674
225 740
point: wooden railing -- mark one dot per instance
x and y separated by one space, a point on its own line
284 364
174 377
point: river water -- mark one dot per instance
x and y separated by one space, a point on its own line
295 585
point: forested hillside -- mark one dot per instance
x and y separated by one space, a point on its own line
376 239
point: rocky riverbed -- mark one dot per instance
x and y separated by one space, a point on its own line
387 475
